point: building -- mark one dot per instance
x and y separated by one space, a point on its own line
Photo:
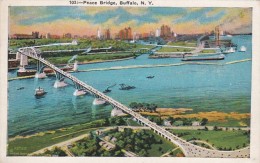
34 35
48 36
67 35
125 34
157 32
145 35
99 34
165 31
55 37
107 35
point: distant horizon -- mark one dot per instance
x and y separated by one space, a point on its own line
87 20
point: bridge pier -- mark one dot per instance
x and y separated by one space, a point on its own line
99 101
59 84
79 92
40 74
59 81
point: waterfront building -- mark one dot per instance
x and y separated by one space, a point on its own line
107 35
157 32
99 34
145 35
48 36
34 35
125 34
67 35
54 36
165 31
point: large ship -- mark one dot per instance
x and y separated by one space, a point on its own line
220 57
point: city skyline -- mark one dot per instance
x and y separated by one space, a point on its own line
87 20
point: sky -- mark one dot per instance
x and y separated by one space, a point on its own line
87 20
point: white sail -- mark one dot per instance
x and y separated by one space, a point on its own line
242 49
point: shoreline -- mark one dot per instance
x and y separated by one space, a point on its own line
164 113
89 62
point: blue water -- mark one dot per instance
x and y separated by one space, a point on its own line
200 87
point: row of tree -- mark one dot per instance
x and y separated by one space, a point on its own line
143 106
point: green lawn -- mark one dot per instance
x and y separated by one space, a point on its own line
140 46
132 123
220 139
24 146
171 49
90 57
183 43
82 44
208 51
165 146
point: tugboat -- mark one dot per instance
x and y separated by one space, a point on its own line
126 87
108 90
39 92
150 77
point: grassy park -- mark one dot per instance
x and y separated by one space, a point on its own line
221 139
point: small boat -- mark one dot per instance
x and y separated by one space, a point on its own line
20 88
107 90
39 92
230 50
126 87
221 57
150 77
242 49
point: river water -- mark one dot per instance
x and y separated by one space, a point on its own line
224 88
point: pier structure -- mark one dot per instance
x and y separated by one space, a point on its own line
188 149
40 73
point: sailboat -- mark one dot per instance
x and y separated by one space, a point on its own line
242 49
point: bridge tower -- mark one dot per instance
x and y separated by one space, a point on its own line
59 81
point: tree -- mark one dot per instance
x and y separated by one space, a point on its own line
121 144
133 105
160 148
171 119
143 152
204 121
215 128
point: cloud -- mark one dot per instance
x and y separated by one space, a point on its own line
140 19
